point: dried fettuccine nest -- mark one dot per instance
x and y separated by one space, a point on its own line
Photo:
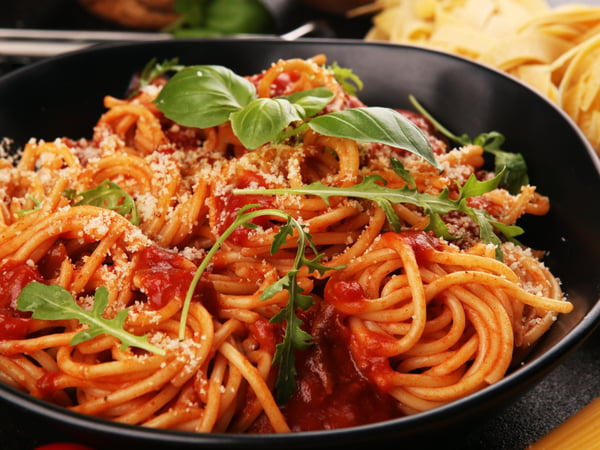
556 51
467 27
573 79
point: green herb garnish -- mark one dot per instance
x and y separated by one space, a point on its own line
350 82
403 172
107 195
207 96
515 168
203 18
154 69
373 188
52 302
294 337
36 205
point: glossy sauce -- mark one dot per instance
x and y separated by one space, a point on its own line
47 383
332 392
346 295
421 242
229 205
163 275
14 324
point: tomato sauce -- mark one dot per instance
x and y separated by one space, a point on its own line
163 275
49 265
421 242
14 324
13 327
47 383
346 295
332 392
229 206
13 278
266 334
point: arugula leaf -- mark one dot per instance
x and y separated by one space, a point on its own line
204 96
36 205
515 174
52 302
373 188
473 187
482 218
107 195
350 82
403 172
294 336
154 69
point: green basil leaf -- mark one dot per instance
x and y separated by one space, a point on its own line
312 101
376 124
204 96
262 121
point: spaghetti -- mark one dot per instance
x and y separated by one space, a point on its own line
402 323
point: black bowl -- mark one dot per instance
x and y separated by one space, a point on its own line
63 97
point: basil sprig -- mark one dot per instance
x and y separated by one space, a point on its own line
204 96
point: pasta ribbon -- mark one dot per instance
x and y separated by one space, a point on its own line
554 50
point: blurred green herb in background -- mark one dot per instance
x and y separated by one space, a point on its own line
204 18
